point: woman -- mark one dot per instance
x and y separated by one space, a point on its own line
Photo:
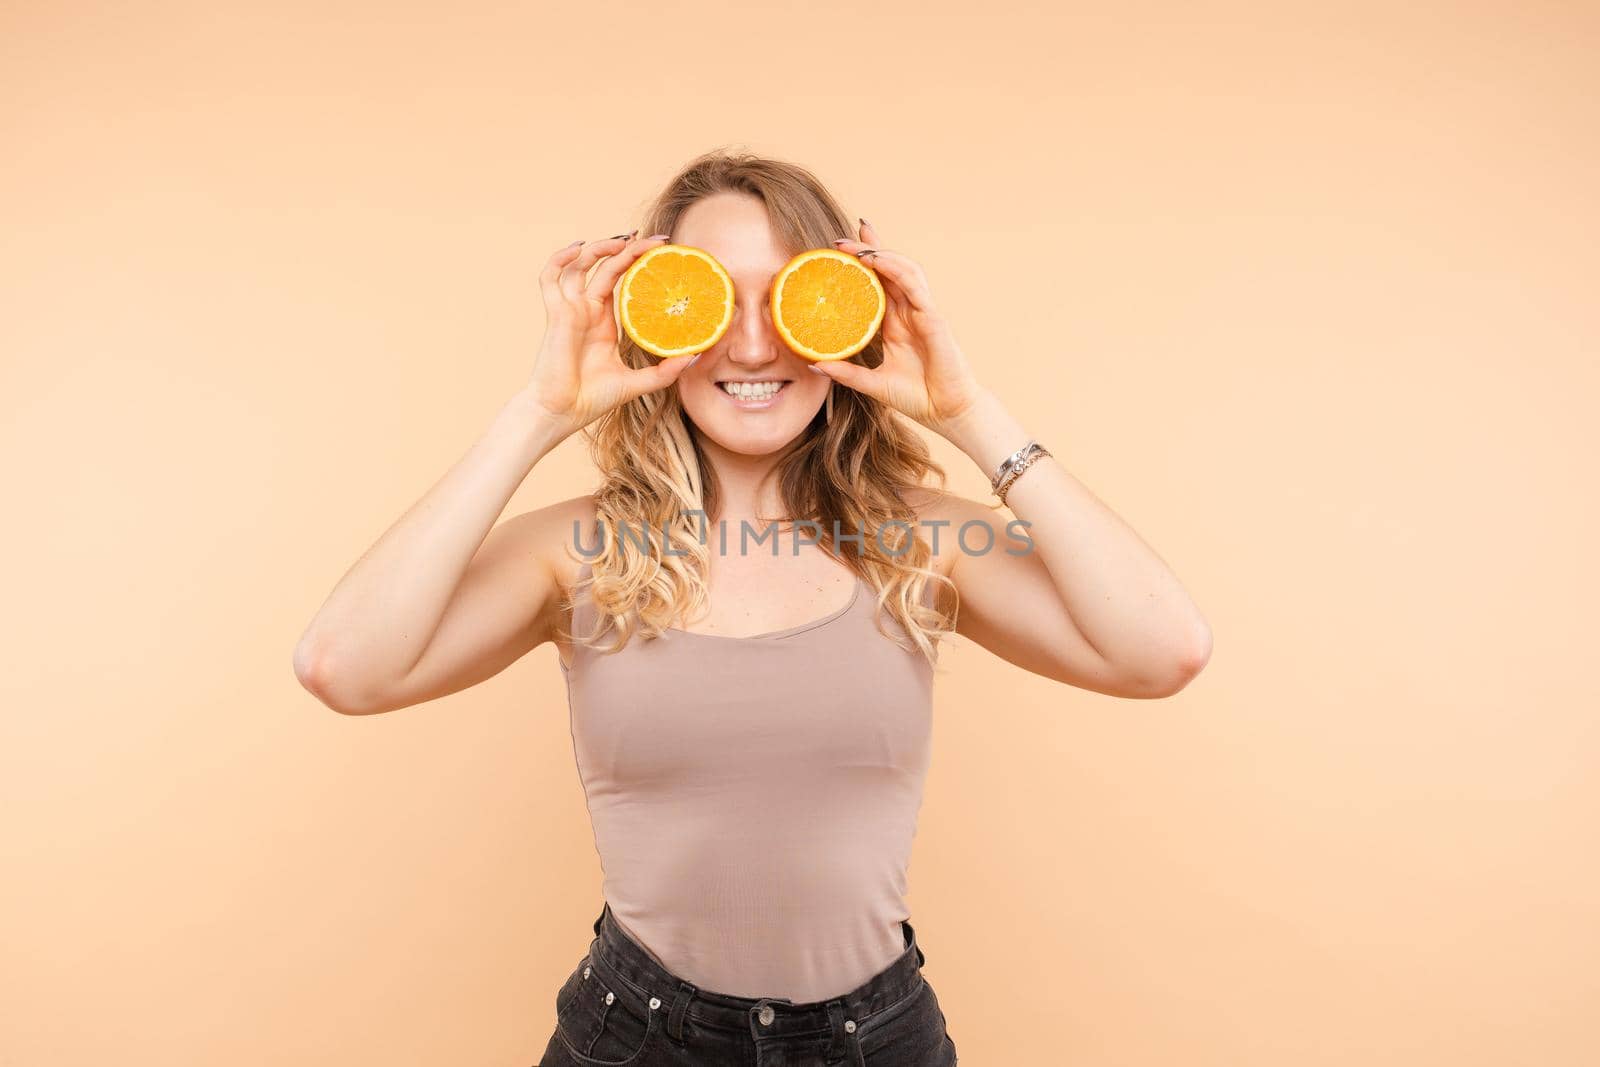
754 773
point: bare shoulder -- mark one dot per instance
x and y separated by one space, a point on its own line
551 535
944 518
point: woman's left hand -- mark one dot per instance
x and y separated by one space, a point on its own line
924 374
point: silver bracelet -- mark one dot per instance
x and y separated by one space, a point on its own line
1011 461
1035 453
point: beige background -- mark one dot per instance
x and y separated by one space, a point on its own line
1307 295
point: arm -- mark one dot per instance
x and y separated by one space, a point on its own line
1090 603
426 611
440 602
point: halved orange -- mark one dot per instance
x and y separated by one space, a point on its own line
675 300
827 304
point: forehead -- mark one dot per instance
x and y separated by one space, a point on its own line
735 228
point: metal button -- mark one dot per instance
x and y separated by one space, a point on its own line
766 1015
610 996
655 1002
849 1026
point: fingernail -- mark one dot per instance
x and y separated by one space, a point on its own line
618 236
814 369
840 240
867 252
692 358
658 237
579 241
863 221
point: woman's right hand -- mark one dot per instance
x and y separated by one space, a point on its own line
577 375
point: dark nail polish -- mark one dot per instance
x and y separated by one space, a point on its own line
618 236
866 252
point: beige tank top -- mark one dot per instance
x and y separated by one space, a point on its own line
754 799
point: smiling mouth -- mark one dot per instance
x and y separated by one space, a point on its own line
754 392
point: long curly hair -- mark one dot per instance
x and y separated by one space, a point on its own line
849 474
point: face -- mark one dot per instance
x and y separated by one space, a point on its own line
734 228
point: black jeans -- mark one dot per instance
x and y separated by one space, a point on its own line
620 1007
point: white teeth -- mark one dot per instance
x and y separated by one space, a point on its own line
754 390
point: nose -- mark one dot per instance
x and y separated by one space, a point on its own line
752 341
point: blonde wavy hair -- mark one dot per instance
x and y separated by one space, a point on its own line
855 468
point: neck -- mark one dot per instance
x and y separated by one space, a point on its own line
745 483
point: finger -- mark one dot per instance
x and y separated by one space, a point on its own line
904 272
573 273
854 375
859 248
866 235
640 380
600 287
550 276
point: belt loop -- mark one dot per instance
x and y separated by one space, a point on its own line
602 917
680 1006
838 1043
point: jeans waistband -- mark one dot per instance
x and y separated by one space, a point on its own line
767 1016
